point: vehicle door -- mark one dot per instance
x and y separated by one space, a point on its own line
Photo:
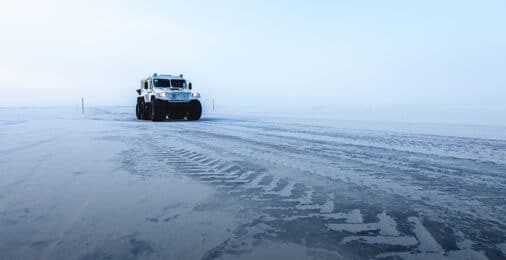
148 86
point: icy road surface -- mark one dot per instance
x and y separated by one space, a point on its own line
106 186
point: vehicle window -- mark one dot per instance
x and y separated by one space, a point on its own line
178 83
161 83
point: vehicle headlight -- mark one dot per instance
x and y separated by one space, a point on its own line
195 94
163 94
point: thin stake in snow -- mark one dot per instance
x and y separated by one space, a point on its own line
82 104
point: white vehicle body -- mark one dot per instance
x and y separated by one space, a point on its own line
150 88
163 97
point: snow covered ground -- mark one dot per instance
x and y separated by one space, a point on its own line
106 186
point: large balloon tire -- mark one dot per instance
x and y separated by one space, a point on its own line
195 110
158 112
138 111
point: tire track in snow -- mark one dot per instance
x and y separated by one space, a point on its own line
283 203
286 200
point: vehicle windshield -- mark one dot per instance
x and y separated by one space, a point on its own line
161 83
166 83
178 83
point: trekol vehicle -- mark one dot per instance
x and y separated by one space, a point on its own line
162 97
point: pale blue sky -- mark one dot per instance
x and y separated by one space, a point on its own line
258 53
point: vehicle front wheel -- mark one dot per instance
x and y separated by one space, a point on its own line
195 110
158 112
146 110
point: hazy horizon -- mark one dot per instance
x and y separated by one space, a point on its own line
445 60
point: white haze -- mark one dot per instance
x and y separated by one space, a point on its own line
427 61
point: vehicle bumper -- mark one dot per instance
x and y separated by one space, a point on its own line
176 105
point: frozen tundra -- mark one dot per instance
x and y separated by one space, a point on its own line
167 97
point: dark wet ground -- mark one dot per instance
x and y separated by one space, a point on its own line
110 187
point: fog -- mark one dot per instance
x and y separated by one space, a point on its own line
394 60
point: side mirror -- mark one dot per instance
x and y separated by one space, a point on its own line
138 91
190 86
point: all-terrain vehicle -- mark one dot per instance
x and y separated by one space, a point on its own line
167 97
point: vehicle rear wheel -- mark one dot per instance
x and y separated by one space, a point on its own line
138 111
157 110
195 110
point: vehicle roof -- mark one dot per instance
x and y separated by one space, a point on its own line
162 76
